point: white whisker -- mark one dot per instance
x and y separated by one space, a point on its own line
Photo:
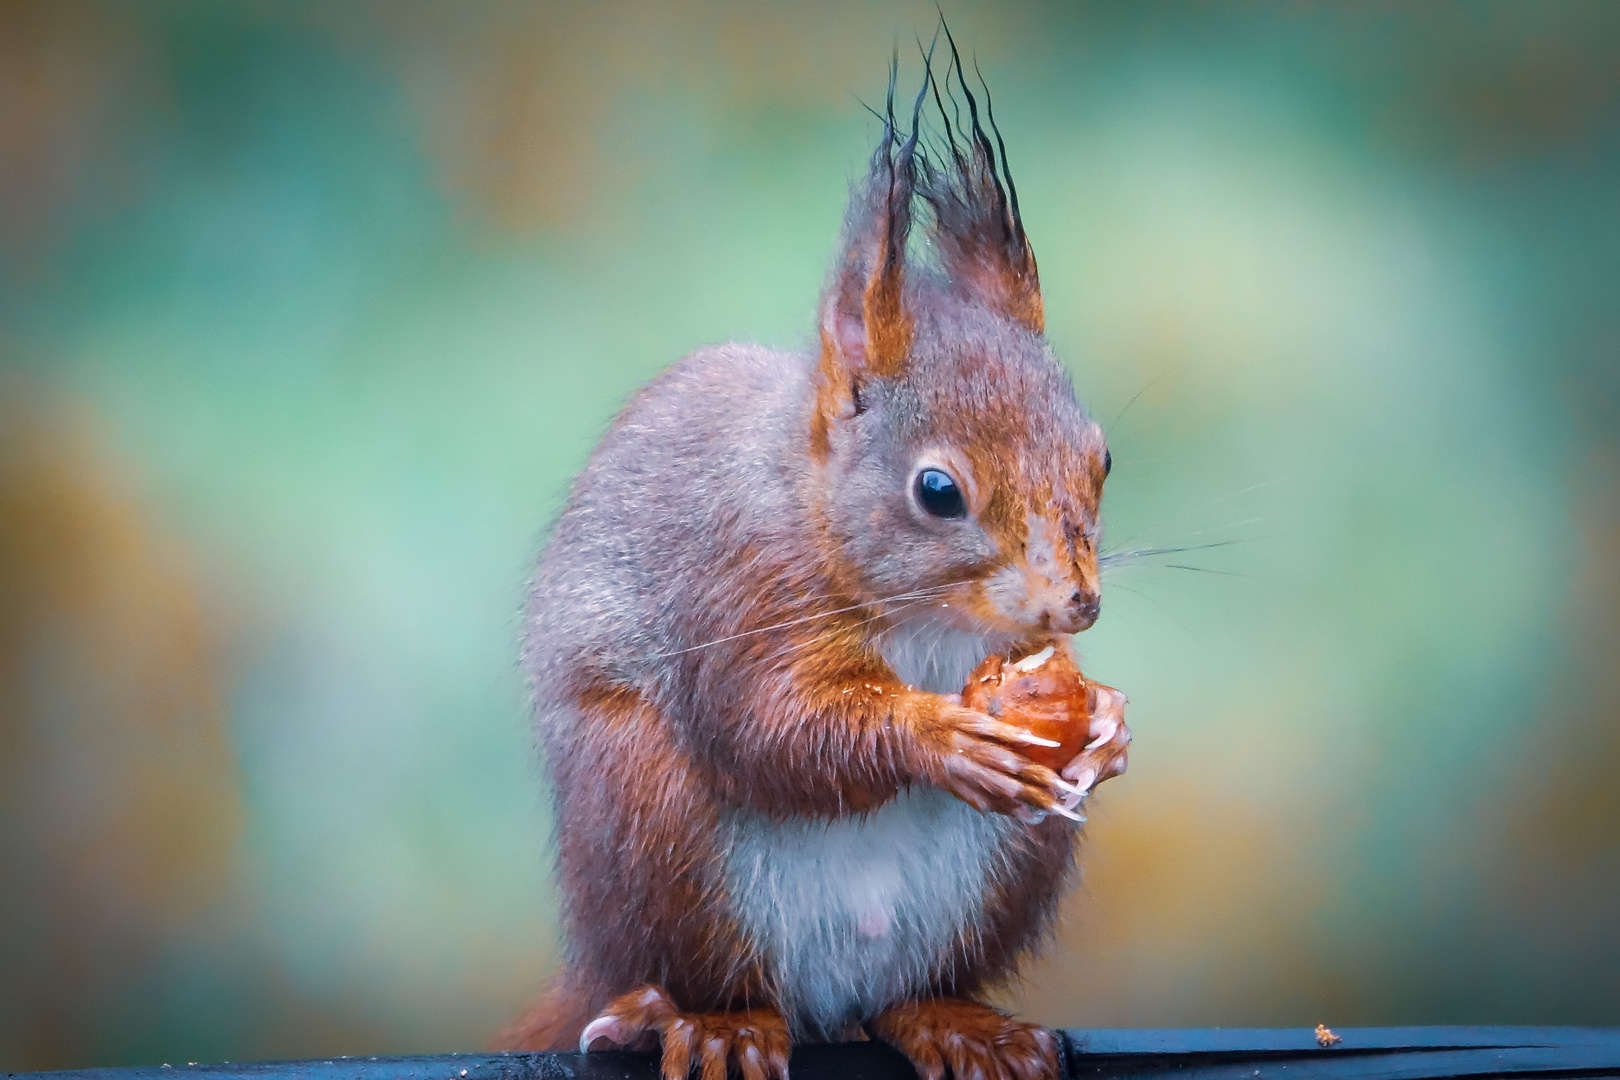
1111 557
917 594
797 645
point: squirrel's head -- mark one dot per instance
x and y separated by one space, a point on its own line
959 478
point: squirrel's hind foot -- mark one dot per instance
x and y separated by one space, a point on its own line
971 1040
753 1044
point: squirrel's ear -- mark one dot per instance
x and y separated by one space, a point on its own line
865 327
977 229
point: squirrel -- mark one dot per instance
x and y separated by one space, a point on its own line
747 636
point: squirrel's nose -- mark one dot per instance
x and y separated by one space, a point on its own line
1082 609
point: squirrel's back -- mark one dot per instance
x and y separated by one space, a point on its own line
701 465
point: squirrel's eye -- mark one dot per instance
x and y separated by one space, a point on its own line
1108 462
939 494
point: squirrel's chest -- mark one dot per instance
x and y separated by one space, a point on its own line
852 915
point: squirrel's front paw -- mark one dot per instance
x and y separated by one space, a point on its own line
969 1039
753 1044
1104 755
978 761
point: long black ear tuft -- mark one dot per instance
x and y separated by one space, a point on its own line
977 228
866 330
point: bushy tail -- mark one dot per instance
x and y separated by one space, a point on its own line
555 1021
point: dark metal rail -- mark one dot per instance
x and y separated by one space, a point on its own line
1413 1053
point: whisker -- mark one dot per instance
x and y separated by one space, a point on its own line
1138 592
1170 566
1111 557
796 645
1229 525
1252 487
1127 541
1121 414
916 594
1229 496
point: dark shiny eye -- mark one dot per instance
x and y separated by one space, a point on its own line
1108 462
939 494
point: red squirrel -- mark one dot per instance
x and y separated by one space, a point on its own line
746 639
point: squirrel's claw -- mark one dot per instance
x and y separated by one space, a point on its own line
969 1039
988 727
982 767
631 1021
610 1028
981 764
753 1044
1083 777
1105 755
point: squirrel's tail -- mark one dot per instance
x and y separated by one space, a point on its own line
553 1022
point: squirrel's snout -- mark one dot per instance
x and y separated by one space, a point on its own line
1079 613
1046 590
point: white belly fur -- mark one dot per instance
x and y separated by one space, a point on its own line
855 914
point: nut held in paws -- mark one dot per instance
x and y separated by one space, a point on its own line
1044 693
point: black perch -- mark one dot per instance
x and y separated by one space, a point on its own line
1399 1053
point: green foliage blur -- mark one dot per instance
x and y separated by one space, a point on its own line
309 312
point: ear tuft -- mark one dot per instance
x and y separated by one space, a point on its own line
975 230
977 227
865 325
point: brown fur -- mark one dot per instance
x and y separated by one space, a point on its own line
638 905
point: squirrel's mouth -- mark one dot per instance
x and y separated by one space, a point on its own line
1024 605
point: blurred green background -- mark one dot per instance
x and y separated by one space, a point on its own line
308 313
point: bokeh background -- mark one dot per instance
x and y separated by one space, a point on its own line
308 312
